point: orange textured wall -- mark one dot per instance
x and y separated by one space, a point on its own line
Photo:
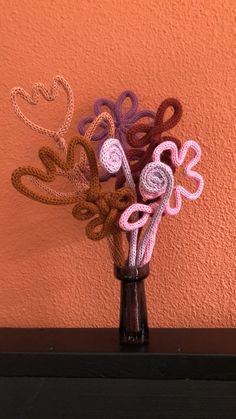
51 275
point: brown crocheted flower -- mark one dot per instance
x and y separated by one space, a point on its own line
103 209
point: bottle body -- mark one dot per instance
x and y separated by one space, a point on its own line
133 327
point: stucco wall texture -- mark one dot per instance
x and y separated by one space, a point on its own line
51 274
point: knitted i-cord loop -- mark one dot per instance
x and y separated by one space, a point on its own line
112 158
156 179
143 146
103 208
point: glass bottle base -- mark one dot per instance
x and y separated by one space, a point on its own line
133 338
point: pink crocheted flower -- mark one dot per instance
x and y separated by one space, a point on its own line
178 157
156 180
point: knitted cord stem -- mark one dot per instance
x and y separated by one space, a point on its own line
115 245
112 157
102 119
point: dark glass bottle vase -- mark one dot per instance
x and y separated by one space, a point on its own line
133 310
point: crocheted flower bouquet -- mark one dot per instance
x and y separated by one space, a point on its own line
132 146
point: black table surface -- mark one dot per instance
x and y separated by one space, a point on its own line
86 374
170 354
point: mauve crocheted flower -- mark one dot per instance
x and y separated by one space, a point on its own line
123 120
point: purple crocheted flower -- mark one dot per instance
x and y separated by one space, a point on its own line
123 120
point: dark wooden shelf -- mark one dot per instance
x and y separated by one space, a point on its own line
85 374
206 354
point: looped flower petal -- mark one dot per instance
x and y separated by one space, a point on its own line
129 114
85 210
106 226
102 103
124 222
122 198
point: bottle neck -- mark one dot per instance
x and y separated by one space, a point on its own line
130 274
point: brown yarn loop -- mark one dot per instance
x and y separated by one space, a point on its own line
107 206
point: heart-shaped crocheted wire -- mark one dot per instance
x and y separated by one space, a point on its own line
49 95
